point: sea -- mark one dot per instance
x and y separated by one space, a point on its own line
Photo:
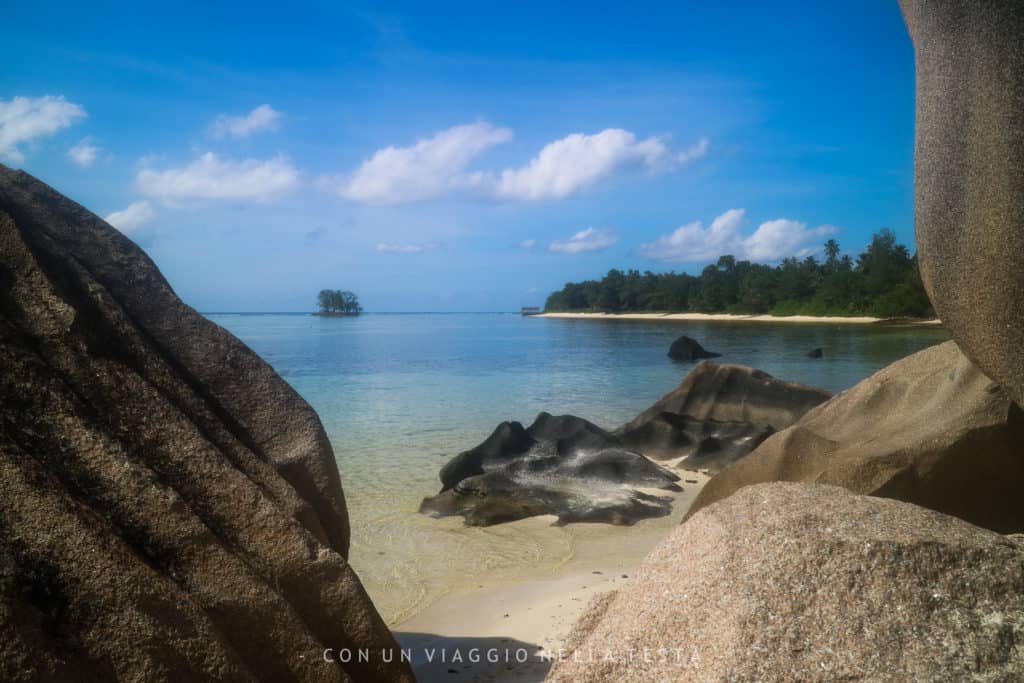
400 394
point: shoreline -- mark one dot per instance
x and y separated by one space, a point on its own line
736 317
532 614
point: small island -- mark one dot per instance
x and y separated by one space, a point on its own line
336 303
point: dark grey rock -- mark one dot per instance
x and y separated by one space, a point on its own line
969 176
687 350
564 466
717 415
815 353
170 509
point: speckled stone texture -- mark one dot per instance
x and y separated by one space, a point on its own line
969 175
805 582
170 509
930 429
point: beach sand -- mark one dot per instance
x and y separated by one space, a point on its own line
513 620
731 317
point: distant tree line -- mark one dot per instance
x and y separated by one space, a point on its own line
884 281
337 301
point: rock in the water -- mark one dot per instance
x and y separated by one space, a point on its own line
170 509
816 353
717 415
930 429
801 582
563 466
969 176
687 349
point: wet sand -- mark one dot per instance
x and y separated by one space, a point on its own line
528 618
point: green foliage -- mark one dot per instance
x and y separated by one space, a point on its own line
337 301
884 281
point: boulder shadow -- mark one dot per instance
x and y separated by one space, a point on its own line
436 657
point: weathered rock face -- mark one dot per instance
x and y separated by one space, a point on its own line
969 176
170 508
687 349
930 429
563 466
718 415
801 582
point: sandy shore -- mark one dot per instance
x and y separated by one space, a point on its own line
518 622
703 317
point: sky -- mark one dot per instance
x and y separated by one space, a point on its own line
461 156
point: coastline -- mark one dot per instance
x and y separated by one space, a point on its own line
735 317
532 614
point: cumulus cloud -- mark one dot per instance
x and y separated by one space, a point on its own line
437 166
262 118
132 217
430 168
771 241
84 153
392 248
23 119
577 161
528 244
210 177
591 239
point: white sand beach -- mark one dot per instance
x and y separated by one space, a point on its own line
732 317
529 618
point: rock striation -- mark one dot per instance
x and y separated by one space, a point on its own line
930 429
803 582
969 176
170 509
564 466
687 350
717 415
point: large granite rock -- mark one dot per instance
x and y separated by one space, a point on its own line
717 415
969 176
170 509
564 466
800 582
930 429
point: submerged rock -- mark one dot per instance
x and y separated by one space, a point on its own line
969 176
687 349
563 466
816 353
929 429
717 415
806 582
170 509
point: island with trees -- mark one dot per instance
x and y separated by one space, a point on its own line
883 281
336 303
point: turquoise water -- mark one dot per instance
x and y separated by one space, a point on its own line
400 393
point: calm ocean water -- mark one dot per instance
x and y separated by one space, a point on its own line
400 393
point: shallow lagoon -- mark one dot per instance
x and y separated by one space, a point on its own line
400 393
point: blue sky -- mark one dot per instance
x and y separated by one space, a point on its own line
461 156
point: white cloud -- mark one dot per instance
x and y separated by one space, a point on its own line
209 177
437 166
430 168
389 248
528 244
577 161
591 239
132 217
772 241
84 153
263 117
23 119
